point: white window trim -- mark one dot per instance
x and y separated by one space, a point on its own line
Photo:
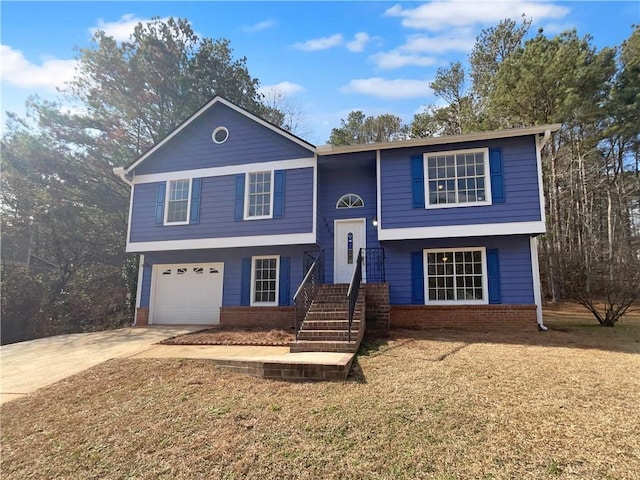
246 196
338 207
253 303
166 202
487 179
485 278
219 129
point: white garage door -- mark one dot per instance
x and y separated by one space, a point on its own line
189 293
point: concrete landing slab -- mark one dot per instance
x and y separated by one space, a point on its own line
262 362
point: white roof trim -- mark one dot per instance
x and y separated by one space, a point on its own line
422 142
227 103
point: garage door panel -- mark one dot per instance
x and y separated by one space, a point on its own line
187 293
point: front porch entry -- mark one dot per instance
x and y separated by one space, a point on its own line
349 237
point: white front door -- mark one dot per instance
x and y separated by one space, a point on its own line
349 238
188 293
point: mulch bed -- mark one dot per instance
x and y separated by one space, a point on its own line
217 336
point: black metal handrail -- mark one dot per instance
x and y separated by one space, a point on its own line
354 290
374 265
306 293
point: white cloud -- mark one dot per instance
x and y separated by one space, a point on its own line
359 41
17 71
389 89
458 13
554 28
121 29
319 43
461 40
285 88
398 59
259 26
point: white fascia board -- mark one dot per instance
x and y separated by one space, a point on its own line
221 100
454 231
223 242
227 170
450 139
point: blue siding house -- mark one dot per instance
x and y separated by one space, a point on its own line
232 215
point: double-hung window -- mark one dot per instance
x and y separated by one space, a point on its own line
264 280
177 204
259 195
457 178
456 275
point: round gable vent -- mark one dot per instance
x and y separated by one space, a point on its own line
220 135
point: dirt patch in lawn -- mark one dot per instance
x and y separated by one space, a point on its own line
217 336
420 405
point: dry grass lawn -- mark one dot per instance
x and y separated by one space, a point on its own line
437 404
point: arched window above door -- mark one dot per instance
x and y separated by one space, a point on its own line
350 200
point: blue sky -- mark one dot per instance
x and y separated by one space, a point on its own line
328 57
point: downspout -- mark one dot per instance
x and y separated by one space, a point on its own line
122 173
533 241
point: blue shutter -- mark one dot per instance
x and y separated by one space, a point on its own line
239 212
278 193
283 288
417 180
196 188
497 180
493 275
160 194
417 278
245 281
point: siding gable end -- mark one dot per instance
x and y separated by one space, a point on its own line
250 140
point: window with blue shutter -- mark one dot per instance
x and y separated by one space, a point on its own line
417 180
196 189
245 282
160 196
239 210
497 178
493 275
278 193
417 278
284 287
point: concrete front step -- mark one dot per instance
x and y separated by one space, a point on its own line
323 346
330 324
327 335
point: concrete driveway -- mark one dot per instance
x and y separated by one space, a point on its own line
28 366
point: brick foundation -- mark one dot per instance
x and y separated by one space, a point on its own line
464 317
377 308
142 316
262 317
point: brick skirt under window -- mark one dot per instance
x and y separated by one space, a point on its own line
465 317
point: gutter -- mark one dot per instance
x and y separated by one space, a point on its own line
122 173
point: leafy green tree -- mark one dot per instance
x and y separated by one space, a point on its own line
455 118
358 129
493 46
135 92
58 188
